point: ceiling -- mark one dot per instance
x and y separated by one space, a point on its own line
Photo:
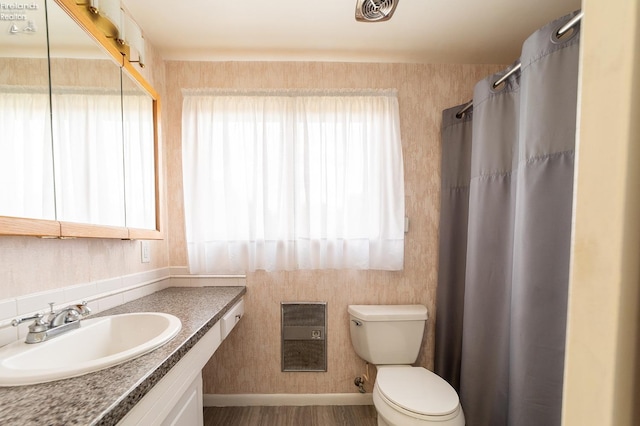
420 31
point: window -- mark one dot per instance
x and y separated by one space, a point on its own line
282 181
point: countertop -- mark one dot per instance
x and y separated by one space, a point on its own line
106 396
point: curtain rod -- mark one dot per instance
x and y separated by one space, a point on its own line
566 27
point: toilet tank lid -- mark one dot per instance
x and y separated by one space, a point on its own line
388 312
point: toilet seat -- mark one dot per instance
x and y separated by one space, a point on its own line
417 392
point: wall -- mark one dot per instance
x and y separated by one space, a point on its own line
249 360
602 372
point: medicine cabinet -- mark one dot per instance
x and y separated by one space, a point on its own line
78 128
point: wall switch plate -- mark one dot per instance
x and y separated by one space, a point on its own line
145 251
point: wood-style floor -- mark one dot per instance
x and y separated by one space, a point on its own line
331 415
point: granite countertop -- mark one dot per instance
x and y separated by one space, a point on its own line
106 396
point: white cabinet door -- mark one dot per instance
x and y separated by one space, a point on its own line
188 411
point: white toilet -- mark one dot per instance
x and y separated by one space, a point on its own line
389 336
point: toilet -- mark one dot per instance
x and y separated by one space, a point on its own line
389 337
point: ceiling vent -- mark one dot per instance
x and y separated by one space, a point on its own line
375 10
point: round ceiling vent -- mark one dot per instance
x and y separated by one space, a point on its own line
375 10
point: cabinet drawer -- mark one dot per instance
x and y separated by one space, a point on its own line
231 318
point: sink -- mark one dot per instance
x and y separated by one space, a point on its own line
99 343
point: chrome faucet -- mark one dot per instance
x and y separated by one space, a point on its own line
54 323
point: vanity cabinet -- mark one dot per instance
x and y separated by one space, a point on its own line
172 398
177 398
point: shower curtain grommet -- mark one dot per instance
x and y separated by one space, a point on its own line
567 30
557 38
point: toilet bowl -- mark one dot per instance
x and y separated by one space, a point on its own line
390 336
412 396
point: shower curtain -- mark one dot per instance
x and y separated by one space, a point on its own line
505 231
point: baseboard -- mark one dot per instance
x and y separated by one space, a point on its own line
286 399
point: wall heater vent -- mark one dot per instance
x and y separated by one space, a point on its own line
304 340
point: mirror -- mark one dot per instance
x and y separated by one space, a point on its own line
26 159
81 158
86 125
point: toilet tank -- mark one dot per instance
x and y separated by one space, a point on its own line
387 334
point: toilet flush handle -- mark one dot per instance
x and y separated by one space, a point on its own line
357 323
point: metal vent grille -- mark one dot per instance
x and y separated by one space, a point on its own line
304 343
375 10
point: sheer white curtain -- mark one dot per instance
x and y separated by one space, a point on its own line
139 174
91 160
282 181
26 162
87 137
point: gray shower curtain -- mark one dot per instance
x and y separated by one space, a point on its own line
505 233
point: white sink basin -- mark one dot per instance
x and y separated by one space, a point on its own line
98 343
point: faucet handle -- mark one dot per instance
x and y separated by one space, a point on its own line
16 322
83 309
37 326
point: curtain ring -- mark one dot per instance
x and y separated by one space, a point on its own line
567 30
465 110
501 83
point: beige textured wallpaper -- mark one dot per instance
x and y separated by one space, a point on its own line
24 71
249 360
